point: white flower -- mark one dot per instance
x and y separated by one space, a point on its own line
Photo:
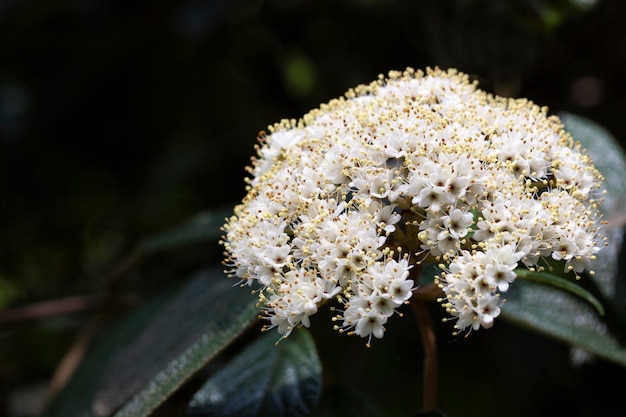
501 265
371 323
415 167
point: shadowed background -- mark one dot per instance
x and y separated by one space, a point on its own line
121 119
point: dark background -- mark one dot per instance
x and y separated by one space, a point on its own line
120 119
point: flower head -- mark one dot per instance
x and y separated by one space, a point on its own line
425 161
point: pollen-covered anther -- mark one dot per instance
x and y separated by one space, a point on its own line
346 204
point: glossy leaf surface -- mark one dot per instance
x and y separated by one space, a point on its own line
562 315
561 283
139 363
265 380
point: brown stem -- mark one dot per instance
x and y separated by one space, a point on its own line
124 268
70 305
71 360
428 292
429 344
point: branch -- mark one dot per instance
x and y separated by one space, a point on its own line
429 344
62 306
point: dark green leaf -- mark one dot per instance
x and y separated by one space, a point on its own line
609 158
563 316
606 153
265 380
562 283
203 227
143 360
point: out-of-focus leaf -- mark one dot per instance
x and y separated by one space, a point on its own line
609 158
606 153
203 227
562 316
562 283
264 380
140 362
428 273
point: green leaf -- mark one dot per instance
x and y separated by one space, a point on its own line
265 380
607 155
562 316
609 158
562 283
204 227
571 318
141 361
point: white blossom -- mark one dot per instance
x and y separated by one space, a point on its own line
414 167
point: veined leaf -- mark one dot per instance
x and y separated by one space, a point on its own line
607 155
265 380
140 362
563 316
609 158
562 283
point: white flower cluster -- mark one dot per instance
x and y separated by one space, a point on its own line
414 167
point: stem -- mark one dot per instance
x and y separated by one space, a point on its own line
72 360
429 344
62 306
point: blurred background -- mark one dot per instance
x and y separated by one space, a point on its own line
121 119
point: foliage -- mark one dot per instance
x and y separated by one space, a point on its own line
119 121
171 339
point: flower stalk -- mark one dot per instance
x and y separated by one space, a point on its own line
429 346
